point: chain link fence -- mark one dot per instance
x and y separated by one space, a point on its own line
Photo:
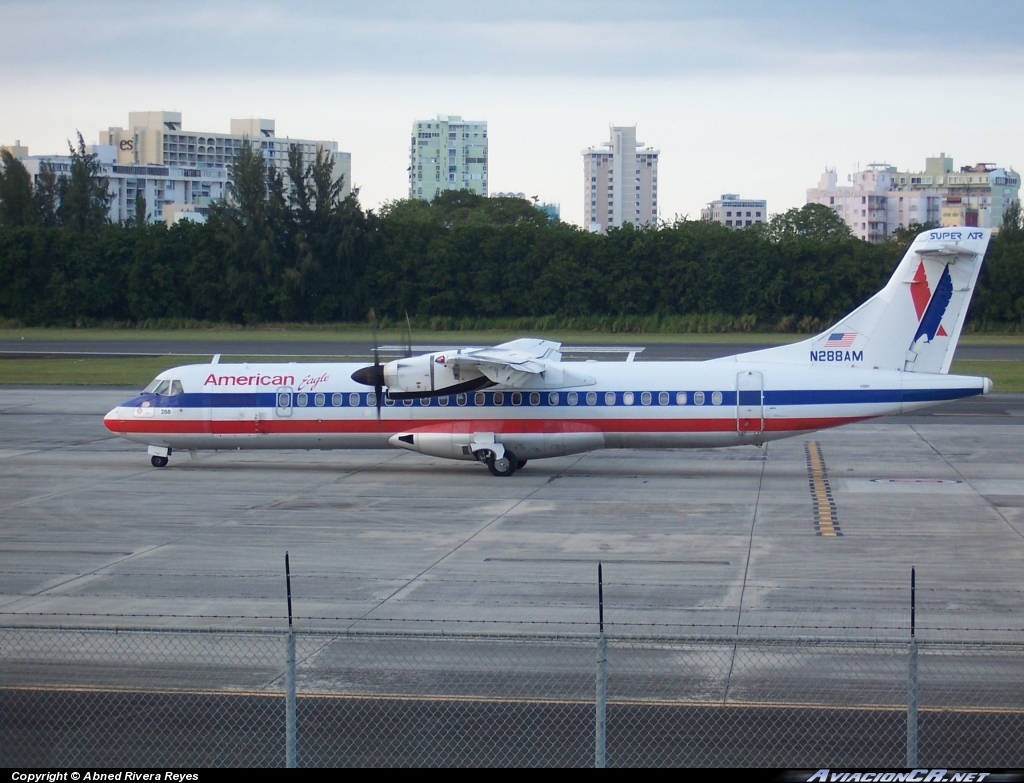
114 697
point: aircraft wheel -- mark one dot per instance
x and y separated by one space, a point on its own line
522 463
158 462
505 466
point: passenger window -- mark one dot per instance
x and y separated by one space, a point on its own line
716 398
336 399
319 400
609 398
534 398
680 398
499 398
425 402
698 398
353 399
388 401
517 398
572 398
461 399
662 398
591 398
553 398
371 399
645 398
443 401
627 398
283 400
301 400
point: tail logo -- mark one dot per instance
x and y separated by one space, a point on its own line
930 306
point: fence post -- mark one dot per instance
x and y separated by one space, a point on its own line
912 682
290 738
600 749
289 697
601 698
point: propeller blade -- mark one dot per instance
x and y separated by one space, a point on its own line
408 345
378 377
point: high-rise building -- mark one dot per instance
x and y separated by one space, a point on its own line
181 173
880 198
735 212
620 182
871 205
975 195
157 138
448 153
171 192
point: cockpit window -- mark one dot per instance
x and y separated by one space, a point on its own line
164 387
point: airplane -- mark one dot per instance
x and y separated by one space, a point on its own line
518 401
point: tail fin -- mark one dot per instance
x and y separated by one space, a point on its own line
914 323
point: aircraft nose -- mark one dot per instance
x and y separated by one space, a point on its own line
112 421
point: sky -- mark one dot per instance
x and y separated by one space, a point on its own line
749 97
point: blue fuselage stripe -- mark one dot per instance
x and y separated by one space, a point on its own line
777 398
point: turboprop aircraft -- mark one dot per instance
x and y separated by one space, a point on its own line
519 401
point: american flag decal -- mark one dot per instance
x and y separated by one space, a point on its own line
840 339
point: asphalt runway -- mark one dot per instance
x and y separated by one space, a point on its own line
707 541
349 350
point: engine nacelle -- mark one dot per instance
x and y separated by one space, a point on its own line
429 376
461 443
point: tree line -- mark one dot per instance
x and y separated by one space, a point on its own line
292 249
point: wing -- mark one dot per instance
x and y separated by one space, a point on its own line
526 355
527 363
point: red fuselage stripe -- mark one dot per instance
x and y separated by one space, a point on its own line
509 426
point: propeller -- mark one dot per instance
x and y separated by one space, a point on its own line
374 374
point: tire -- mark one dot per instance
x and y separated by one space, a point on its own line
505 466
158 462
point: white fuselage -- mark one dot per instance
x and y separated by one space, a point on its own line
628 405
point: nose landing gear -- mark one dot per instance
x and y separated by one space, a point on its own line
159 456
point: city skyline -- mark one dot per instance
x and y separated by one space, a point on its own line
746 99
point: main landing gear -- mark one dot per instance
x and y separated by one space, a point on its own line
505 465
158 462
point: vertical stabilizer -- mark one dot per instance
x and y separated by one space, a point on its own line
914 323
